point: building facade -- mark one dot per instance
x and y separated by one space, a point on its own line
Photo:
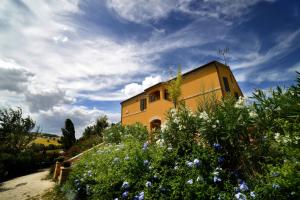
150 107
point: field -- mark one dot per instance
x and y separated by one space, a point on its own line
46 141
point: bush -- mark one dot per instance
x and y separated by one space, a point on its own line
60 159
66 164
235 150
116 133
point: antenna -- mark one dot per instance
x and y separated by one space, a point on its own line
223 53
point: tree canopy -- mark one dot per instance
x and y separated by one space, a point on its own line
174 88
15 130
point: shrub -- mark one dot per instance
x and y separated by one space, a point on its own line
66 164
60 159
116 133
234 150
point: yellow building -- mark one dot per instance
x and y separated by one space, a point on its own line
150 106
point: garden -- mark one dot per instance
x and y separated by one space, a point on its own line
233 149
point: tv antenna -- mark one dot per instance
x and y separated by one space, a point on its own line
223 53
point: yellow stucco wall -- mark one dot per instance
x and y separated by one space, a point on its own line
196 86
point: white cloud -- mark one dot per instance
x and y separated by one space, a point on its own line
141 11
135 88
284 44
52 120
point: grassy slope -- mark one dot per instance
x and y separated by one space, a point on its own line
46 141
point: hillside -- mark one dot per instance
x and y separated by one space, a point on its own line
47 140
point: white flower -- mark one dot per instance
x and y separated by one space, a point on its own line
199 178
181 127
189 164
252 194
217 121
169 149
160 142
164 126
214 126
173 111
240 102
176 120
253 114
203 115
148 184
197 162
190 182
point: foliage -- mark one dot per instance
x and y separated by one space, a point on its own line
68 132
116 133
174 88
98 128
18 155
15 130
235 150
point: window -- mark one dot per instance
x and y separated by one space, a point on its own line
226 84
143 104
154 96
236 95
166 95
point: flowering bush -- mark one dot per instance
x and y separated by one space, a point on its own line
235 150
117 133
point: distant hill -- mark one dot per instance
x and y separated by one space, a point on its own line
47 139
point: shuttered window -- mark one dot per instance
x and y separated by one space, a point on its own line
226 84
143 104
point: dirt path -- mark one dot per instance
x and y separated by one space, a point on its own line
24 187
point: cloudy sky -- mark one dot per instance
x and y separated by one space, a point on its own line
79 58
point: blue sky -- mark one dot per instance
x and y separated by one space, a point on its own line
78 59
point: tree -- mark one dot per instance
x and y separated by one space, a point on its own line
98 128
68 132
174 88
101 124
15 130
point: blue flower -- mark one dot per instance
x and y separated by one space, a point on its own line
217 146
146 162
240 196
190 182
197 162
217 179
275 186
125 185
145 146
243 186
88 190
252 194
125 195
221 159
89 173
141 196
148 184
